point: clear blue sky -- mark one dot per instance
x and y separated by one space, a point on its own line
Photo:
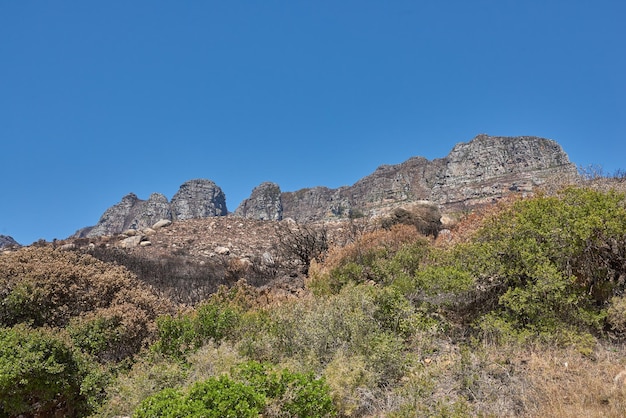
102 98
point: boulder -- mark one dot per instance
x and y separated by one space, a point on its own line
222 250
131 242
161 224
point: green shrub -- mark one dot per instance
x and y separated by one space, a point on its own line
214 398
113 334
349 379
288 393
554 270
150 374
40 374
362 320
179 335
254 389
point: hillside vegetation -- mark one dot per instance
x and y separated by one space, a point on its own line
518 311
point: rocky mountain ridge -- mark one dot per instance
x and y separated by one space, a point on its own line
198 198
473 173
7 241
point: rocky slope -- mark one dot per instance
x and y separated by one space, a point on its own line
477 172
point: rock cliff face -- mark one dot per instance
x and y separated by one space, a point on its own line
476 172
263 204
195 199
198 199
489 167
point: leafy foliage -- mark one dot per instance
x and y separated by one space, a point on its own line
213 398
288 393
253 389
40 374
550 252
181 334
45 287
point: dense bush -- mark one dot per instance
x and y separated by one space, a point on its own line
360 320
369 258
40 374
45 287
288 393
178 335
253 389
214 398
559 260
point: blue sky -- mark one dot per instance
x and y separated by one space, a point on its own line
99 99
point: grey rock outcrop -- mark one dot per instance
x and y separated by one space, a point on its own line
151 211
115 219
194 199
263 204
6 241
488 167
199 198
476 172
316 203
131 213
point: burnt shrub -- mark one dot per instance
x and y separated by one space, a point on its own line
425 218
303 243
175 276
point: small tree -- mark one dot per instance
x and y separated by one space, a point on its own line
304 243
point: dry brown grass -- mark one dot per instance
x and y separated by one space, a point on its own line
568 384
